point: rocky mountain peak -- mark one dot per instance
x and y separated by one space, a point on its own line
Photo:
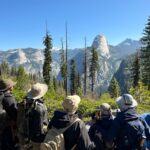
21 57
100 43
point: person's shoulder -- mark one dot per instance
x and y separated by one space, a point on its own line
6 94
9 97
78 122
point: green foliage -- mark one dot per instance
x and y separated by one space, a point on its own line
114 88
47 59
141 93
73 78
85 68
13 71
55 83
19 94
23 82
145 55
4 69
142 108
88 106
63 67
53 101
93 67
135 70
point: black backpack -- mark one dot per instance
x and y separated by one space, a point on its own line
132 135
36 116
2 114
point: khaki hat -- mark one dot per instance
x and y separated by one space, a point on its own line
37 91
71 103
104 108
126 101
6 84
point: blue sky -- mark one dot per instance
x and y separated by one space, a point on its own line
23 22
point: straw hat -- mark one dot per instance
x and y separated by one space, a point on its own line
71 103
6 84
37 91
126 101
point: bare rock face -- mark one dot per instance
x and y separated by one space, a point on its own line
109 56
100 43
21 57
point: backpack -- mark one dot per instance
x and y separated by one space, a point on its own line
132 135
54 139
37 120
147 133
2 114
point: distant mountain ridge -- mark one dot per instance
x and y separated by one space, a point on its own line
110 58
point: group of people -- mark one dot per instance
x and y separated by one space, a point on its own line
25 126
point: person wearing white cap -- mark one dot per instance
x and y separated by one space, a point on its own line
76 135
37 114
127 129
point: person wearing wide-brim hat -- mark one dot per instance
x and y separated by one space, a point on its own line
125 125
10 106
75 132
6 84
37 114
9 102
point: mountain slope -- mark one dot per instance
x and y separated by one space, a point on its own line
110 58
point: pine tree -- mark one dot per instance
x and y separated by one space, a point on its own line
54 83
47 58
79 88
4 69
66 65
85 68
114 89
145 55
63 64
73 77
135 71
93 67
13 71
22 79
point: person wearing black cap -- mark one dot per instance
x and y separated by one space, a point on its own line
104 121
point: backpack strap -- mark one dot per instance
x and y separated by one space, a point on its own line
146 127
58 131
1 102
75 145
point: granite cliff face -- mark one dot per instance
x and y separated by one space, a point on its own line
100 43
110 58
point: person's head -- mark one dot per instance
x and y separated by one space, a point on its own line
126 101
104 110
37 91
70 103
6 85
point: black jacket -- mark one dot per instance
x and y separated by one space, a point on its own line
103 124
119 128
75 134
10 106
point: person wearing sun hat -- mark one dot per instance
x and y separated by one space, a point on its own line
76 135
126 101
37 113
127 128
9 104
